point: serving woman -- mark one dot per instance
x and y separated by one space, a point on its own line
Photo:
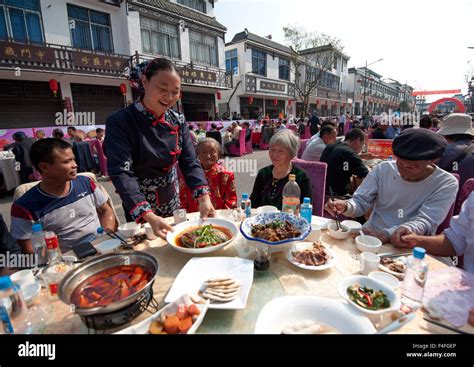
270 181
221 181
146 141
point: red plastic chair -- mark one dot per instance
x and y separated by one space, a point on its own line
466 190
304 142
447 220
316 172
239 151
307 132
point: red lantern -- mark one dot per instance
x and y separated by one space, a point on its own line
317 102
275 102
250 99
123 89
53 85
218 95
289 102
343 105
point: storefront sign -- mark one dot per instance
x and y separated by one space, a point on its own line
275 87
197 75
381 148
22 52
83 59
333 95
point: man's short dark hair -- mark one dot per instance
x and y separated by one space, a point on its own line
42 150
355 134
426 122
57 133
71 128
326 129
328 122
99 130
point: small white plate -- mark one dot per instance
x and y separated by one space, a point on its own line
108 246
303 245
320 221
371 283
280 312
143 326
199 269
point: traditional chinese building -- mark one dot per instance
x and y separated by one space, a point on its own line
61 55
262 78
186 32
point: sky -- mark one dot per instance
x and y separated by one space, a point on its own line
424 43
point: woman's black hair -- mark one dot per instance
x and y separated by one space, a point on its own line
149 68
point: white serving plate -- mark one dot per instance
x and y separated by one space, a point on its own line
302 245
371 283
178 229
143 326
198 270
280 312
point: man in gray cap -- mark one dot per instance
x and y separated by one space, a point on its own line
459 155
410 195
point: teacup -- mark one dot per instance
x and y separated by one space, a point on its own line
369 262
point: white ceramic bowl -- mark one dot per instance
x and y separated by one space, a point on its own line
30 292
371 244
180 228
129 229
365 281
315 233
108 246
23 277
267 209
386 278
338 235
354 226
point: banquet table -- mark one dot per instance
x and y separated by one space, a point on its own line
282 279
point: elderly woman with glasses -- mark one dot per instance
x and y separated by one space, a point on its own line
270 181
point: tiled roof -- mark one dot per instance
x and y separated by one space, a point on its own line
247 36
184 12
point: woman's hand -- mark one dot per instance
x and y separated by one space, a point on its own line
205 207
158 224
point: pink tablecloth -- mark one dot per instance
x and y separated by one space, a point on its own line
256 137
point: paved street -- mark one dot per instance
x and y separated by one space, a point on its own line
245 169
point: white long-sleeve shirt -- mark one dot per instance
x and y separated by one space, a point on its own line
419 206
461 233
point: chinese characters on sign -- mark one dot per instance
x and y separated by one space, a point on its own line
197 75
22 52
84 59
272 86
381 148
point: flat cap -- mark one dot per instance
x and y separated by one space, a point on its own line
419 145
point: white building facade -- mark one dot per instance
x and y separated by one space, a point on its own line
86 49
263 84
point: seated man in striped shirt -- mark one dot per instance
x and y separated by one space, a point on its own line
71 206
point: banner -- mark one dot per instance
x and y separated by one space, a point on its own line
381 148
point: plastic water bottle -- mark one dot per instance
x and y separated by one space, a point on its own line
52 244
306 210
246 205
390 158
415 278
291 196
39 244
14 314
100 236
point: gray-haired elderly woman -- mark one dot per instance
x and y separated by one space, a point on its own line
270 181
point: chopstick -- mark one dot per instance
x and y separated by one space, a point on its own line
117 237
388 254
338 225
445 326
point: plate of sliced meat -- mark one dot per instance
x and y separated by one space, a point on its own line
311 256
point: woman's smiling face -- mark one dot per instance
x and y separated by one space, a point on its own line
161 91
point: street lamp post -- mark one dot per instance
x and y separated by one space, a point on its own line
365 83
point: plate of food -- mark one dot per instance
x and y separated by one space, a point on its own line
311 256
368 295
275 229
393 265
202 236
224 281
311 315
183 316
